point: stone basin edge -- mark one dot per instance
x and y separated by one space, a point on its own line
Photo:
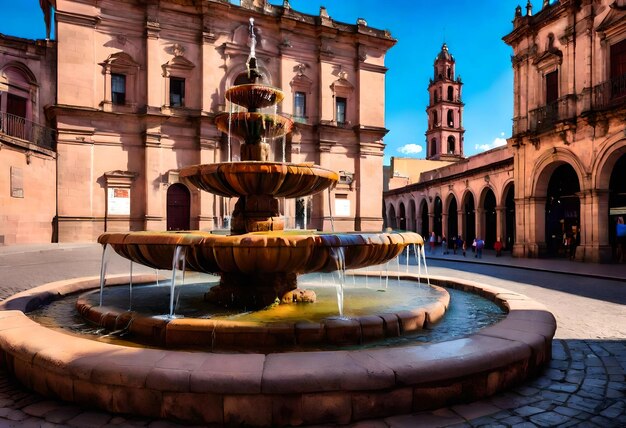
275 389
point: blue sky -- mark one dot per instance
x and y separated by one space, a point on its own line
473 30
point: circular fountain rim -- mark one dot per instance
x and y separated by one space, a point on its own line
309 387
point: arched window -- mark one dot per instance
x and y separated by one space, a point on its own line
450 118
435 118
450 93
449 73
433 147
451 144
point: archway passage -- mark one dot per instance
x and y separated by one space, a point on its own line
413 210
425 232
402 216
489 207
391 222
562 212
617 210
178 207
509 233
469 211
437 220
453 219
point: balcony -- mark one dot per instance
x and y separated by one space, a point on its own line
609 94
546 117
20 128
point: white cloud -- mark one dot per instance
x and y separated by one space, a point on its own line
497 142
410 149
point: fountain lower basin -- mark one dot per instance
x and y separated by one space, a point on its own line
274 389
399 310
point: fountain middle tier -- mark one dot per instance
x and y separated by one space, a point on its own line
281 180
258 268
252 127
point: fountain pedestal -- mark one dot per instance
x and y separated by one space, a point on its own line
252 291
256 213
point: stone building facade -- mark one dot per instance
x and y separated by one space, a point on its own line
568 137
564 168
27 155
139 84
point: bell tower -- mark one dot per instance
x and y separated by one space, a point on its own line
444 137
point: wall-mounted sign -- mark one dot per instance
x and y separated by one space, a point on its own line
17 182
118 201
342 206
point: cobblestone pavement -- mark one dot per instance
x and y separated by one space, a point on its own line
584 386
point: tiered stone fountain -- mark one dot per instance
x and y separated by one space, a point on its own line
258 264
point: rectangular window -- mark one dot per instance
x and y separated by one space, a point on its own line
341 110
118 89
299 104
552 87
618 69
177 92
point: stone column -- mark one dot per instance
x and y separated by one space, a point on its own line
154 216
154 73
536 233
479 219
501 223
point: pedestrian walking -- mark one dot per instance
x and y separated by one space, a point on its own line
480 244
444 245
498 247
431 241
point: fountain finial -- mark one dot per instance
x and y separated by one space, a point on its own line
253 72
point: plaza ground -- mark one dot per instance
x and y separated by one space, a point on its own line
585 384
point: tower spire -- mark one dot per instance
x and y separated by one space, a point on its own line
444 137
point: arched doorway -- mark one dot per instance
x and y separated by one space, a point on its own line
617 210
178 207
562 210
402 216
453 219
413 211
489 207
425 223
437 219
391 222
469 212
509 233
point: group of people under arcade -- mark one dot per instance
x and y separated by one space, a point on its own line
457 243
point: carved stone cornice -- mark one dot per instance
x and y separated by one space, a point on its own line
77 19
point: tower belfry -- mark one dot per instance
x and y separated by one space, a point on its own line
444 137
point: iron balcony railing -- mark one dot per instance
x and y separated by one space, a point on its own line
545 117
609 94
18 127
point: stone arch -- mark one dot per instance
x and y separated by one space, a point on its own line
507 201
437 209
603 166
609 177
425 223
21 97
487 216
548 237
547 163
391 216
402 216
413 215
451 209
468 217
